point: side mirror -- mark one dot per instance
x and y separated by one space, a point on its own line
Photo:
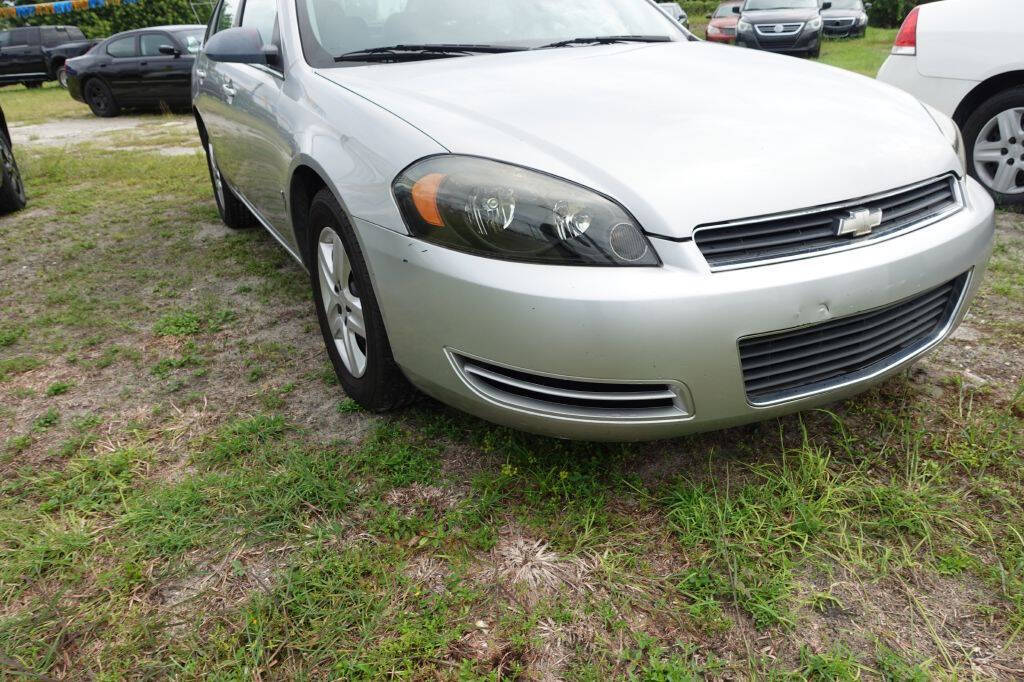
239 45
826 5
707 16
735 9
170 51
867 6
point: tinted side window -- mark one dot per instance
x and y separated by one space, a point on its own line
149 43
122 47
75 33
226 15
54 36
261 15
16 36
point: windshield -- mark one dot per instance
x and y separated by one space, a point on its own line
724 11
334 27
847 4
753 5
192 39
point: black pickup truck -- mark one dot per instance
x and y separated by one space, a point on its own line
35 54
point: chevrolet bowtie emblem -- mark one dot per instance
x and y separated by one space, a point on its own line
859 223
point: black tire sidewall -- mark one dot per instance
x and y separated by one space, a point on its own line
10 198
97 85
382 386
1008 99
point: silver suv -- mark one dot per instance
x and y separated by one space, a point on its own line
501 204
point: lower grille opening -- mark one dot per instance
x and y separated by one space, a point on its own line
573 397
805 360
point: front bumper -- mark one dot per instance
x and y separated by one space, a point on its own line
853 31
720 38
678 324
806 41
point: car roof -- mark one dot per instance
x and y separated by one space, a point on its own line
170 28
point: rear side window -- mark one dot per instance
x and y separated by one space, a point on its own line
75 33
16 36
122 47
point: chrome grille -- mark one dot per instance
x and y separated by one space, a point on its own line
572 397
769 239
787 364
839 23
770 30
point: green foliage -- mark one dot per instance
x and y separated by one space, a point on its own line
891 13
105 21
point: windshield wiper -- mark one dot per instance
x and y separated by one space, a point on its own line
426 51
607 40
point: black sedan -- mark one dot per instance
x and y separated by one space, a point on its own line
148 68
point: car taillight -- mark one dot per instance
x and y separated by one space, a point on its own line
906 39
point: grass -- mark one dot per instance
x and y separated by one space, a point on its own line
185 491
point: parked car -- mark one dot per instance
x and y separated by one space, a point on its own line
143 69
722 25
789 26
965 59
33 55
845 19
481 216
674 10
12 189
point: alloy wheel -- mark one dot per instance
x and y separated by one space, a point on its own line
999 152
62 77
342 306
10 168
98 97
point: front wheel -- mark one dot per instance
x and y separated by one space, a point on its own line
12 189
816 52
347 310
994 135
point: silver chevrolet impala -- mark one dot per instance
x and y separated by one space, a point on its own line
569 217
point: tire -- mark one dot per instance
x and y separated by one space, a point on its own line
994 138
232 211
33 85
363 362
100 99
12 189
62 76
815 53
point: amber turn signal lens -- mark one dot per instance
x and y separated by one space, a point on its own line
424 198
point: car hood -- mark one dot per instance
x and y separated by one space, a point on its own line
841 13
681 134
779 16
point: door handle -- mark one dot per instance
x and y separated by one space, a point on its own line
229 91
201 75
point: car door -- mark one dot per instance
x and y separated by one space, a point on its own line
21 55
252 152
120 68
162 77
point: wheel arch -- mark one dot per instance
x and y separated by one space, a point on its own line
305 182
983 91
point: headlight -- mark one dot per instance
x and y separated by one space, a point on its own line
713 30
951 130
743 26
503 211
814 24
863 20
